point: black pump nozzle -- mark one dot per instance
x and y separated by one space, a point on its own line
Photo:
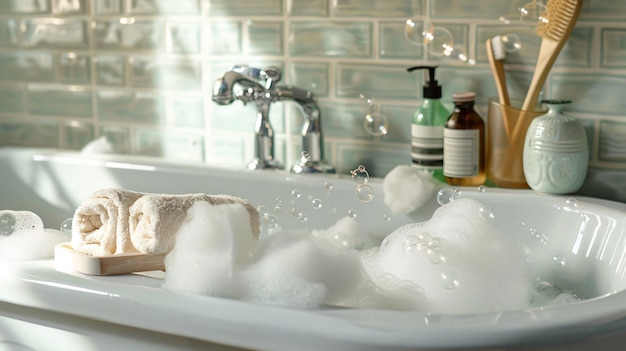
431 89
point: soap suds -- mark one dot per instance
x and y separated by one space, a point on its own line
454 262
23 237
408 188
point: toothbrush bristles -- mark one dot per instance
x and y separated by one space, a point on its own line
555 22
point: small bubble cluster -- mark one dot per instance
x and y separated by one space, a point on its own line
538 235
427 245
364 192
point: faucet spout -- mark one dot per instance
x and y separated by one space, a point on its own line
223 90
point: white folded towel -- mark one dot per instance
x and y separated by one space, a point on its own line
155 219
100 223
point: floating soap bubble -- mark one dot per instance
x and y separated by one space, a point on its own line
316 203
571 204
328 186
369 100
450 280
440 41
279 207
435 255
533 13
445 196
304 218
352 214
559 260
271 221
417 30
511 42
262 210
7 224
376 124
386 218
425 238
485 213
66 227
365 193
481 189
459 53
296 194
360 175
296 212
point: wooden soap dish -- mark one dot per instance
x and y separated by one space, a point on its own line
67 259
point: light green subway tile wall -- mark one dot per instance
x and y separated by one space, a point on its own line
344 39
318 8
141 73
377 9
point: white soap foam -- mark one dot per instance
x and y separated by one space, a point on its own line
306 271
347 233
456 262
209 249
460 260
408 188
25 238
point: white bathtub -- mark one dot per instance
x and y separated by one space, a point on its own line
41 308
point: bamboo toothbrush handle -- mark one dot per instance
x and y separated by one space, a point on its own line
548 53
497 69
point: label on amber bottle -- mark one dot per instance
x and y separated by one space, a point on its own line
461 152
427 146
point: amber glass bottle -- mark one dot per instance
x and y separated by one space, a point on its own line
464 144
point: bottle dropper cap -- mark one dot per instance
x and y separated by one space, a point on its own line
431 90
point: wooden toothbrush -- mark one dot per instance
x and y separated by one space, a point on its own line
561 16
496 55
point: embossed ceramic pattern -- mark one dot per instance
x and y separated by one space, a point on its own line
556 153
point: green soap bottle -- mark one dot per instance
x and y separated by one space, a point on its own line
427 127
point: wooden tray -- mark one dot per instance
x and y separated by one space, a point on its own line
67 259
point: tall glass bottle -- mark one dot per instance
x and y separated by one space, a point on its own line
464 144
427 127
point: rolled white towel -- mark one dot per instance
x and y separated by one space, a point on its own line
100 223
155 219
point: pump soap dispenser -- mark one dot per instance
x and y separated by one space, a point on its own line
427 127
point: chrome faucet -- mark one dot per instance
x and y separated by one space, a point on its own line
259 86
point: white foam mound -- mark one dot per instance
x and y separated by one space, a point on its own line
407 188
463 264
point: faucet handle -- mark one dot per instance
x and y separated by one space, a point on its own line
272 74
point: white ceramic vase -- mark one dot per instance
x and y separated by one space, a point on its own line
556 153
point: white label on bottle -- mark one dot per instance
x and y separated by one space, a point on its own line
461 152
427 145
